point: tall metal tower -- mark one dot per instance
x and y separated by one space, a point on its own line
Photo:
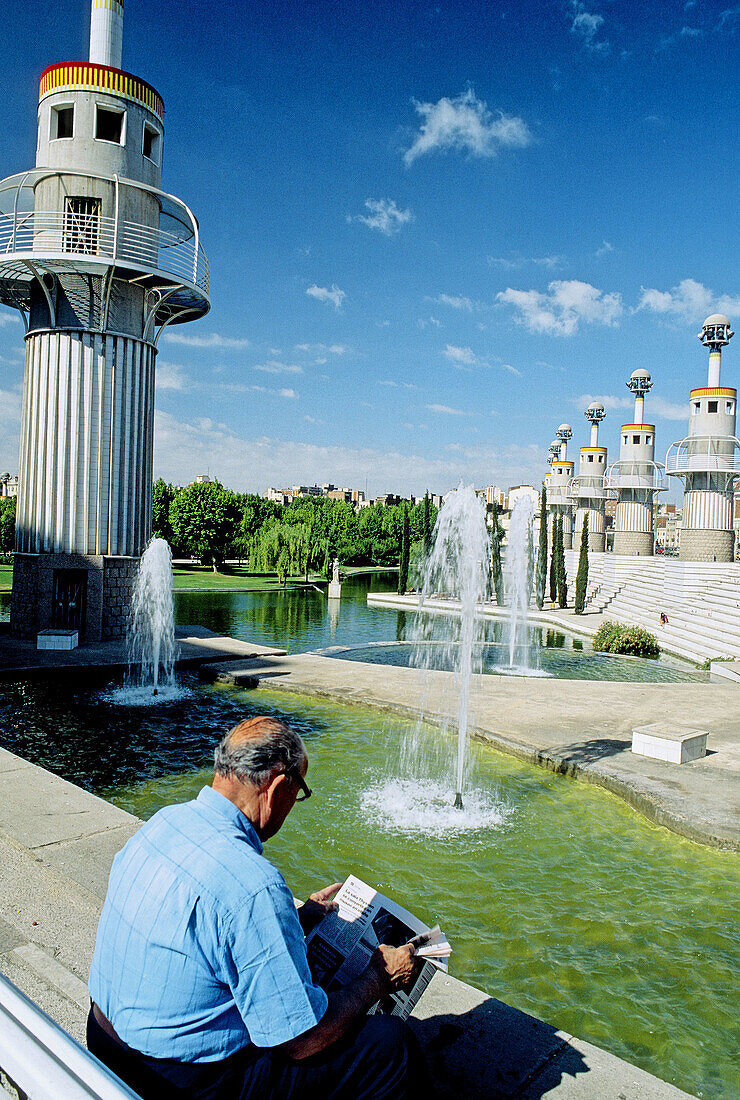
588 484
636 477
97 259
559 487
707 459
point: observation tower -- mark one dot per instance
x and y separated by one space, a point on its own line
588 484
636 477
560 499
98 260
707 459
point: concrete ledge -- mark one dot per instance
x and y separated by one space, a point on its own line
725 670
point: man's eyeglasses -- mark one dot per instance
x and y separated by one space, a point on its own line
305 790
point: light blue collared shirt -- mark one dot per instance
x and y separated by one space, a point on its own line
199 948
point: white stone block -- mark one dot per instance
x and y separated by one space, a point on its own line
665 741
57 639
335 590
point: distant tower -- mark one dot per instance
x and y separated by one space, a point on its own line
559 486
636 477
707 459
97 259
588 485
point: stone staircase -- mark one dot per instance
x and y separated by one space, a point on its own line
701 600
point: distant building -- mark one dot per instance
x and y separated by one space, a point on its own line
516 492
202 479
8 486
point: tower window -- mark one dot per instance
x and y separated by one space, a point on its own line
81 225
624 437
152 139
648 439
712 406
697 406
109 124
635 439
62 122
730 407
590 458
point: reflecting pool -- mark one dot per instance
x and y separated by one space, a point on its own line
557 897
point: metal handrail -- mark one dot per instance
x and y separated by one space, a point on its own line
41 1059
103 240
701 454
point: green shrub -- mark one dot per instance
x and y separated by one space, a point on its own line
632 640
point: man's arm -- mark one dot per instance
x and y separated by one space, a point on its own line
390 968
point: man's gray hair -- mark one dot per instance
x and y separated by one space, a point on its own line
257 749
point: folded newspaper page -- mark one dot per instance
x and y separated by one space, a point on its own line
341 945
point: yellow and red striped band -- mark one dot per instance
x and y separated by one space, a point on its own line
114 5
638 427
714 391
84 76
596 450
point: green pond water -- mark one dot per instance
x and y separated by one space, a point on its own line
557 898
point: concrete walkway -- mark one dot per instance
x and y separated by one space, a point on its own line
581 727
56 846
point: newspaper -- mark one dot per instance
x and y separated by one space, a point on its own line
342 944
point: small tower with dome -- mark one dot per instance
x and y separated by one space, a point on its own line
707 460
636 478
560 499
588 484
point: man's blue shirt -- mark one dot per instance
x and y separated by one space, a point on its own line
199 949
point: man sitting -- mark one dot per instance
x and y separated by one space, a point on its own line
200 984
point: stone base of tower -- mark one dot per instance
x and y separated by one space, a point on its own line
702 545
597 542
636 544
88 593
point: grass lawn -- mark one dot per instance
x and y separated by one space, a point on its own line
6 578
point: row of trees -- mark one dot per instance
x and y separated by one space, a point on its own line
212 523
7 525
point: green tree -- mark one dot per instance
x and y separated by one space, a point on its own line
582 574
162 496
554 559
497 573
541 578
7 524
205 520
562 577
405 550
427 524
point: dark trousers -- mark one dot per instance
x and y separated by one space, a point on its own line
377 1060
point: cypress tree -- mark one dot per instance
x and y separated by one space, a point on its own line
427 525
582 575
554 560
497 575
562 576
542 553
403 563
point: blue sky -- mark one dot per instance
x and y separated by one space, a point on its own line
436 231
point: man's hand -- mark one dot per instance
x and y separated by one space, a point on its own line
317 906
398 967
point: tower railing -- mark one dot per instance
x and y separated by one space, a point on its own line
96 239
702 454
635 474
585 486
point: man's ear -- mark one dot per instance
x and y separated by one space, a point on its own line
276 790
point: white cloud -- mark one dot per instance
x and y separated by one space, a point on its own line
313 420
184 447
566 305
461 357
332 349
327 294
274 367
516 261
689 301
690 32
291 395
447 410
454 302
511 370
605 249
657 406
397 385
465 123
9 319
171 376
10 423
587 25
212 340
287 393
384 216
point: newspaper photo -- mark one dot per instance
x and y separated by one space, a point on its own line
340 947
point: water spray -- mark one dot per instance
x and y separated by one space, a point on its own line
458 803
